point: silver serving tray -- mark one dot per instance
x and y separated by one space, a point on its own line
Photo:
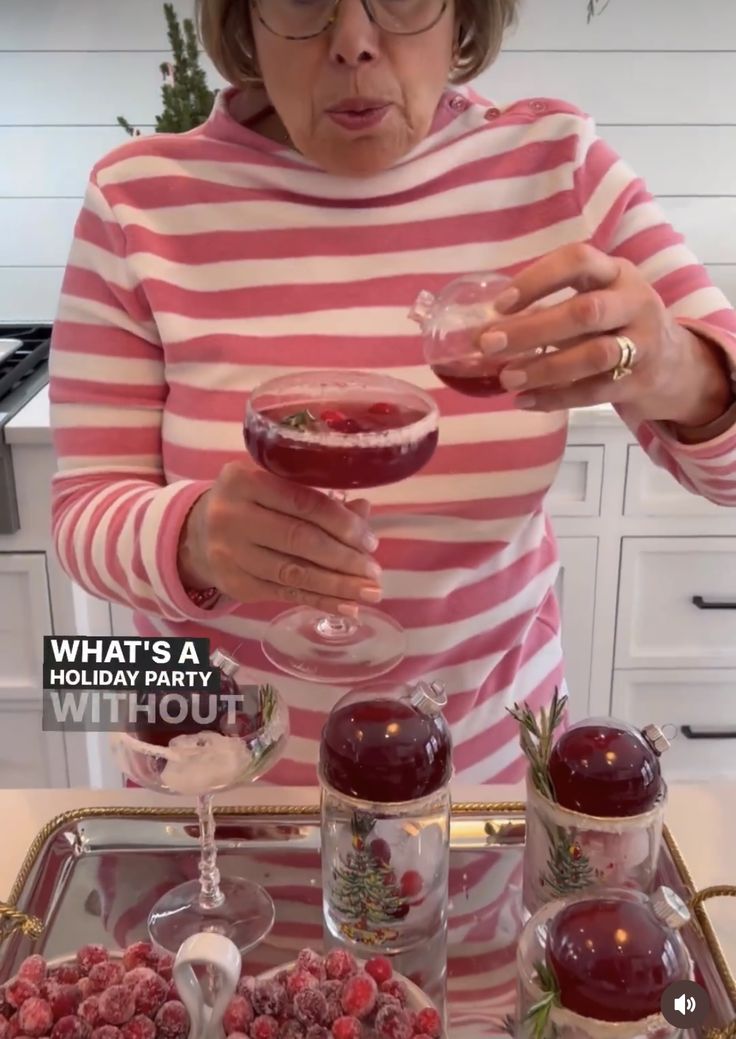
91 876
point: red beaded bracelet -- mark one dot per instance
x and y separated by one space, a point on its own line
201 596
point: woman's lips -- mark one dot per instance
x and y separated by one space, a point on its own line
359 118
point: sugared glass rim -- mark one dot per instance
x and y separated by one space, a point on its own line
348 380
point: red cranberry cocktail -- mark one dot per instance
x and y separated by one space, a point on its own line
339 431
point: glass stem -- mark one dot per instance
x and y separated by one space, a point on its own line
333 626
210 895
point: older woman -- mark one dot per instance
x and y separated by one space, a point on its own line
337 177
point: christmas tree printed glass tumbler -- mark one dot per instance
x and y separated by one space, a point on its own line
595 805
385 765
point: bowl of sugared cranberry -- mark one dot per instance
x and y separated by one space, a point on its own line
100 993
337 996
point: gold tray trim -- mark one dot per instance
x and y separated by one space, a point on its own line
464 808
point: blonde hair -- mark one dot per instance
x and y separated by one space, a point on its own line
227 36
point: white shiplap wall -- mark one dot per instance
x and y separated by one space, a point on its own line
657 74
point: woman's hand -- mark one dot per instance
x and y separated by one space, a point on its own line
259 538
675 375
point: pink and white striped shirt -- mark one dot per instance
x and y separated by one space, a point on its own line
206 262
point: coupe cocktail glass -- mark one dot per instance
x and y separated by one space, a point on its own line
236 747
339 431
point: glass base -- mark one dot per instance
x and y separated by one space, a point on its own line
245 916
307 644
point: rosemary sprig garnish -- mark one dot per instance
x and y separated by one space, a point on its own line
538 1015
267 702
536 739
299 420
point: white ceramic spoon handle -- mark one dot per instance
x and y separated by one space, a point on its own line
218 953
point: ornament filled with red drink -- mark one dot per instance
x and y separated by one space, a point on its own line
595 804
339 431
385 766
587 963
452 324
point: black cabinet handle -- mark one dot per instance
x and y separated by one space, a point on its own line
703 604
690 734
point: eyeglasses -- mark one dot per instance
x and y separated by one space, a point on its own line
303 19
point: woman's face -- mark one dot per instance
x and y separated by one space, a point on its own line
398 80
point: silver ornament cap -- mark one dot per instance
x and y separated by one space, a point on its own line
429 697
670 908
228 665
656 738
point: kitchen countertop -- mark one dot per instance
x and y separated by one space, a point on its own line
700 818
31 424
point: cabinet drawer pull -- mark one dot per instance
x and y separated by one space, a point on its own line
704 604
690 734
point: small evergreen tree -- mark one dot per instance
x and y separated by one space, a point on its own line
596 7
187 100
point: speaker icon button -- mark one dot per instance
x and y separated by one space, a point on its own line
685 1004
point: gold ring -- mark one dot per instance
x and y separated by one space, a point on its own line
626 360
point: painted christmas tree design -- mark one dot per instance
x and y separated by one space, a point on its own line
568 868
365 889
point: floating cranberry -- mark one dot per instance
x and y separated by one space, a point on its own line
18 990
358 996
340 964
117 1004
346 425
382 408
89 955
605 769
33 968
238 1016
106 974
428 1022
600 948
264 1028
35 1017
381 851
410 884
172 1020
330 416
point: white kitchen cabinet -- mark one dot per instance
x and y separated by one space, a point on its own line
677 602
25 617
576 595
29 757
696 709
